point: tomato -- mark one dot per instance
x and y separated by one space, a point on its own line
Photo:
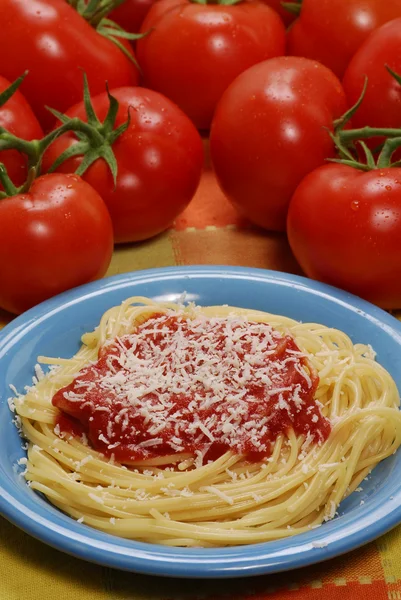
194 51
159 157
57 236
52 41
286 16
131 13
344 227
17 117
269 132
381 106
331 31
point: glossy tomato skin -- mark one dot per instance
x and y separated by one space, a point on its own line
131 14
193 51
52 41
269 132
56 237
344 227
381 106
331 31
160 159
18 118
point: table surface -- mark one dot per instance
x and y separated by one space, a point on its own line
208 232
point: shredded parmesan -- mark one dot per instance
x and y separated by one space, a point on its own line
182 385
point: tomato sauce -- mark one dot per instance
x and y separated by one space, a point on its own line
198 386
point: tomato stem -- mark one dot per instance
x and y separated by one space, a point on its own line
95 140
389 147
29 181
32 149
351 135
293 7
78 126
7 93
396 76
9 187
95 12
345 139
365 132
370 160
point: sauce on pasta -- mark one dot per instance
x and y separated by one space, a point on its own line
199 386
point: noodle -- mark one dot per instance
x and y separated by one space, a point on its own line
228 500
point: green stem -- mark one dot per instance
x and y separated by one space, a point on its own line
390 146
9 187
293 7
35 149
31 149
94 141
350 135
10 91
24 189
104 11
77 126
345 139
94 11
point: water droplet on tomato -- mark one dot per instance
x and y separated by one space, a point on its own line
354 205
388 188
69 186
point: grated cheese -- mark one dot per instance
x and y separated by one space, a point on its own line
179 384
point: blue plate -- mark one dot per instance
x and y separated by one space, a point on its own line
54 329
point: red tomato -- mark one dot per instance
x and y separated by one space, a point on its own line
269 132
331 31
286 15
52 41
17 117
381 106
131 13
344 227
57 236
194 51
160 159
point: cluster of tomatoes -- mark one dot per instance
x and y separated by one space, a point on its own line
102 107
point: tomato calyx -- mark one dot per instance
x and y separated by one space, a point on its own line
5 138
293 7
8 186
346 140
12 88
34 150
95 13
95 139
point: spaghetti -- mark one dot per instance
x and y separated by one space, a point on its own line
214 426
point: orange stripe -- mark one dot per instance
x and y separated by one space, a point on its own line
377 590
209 207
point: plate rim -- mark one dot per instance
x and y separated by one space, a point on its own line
151 559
